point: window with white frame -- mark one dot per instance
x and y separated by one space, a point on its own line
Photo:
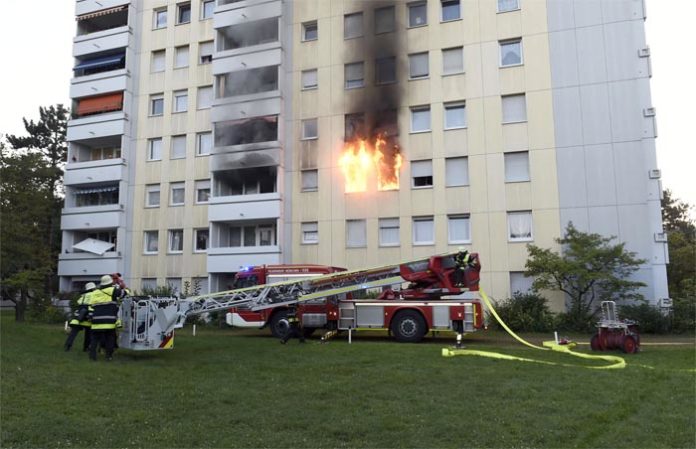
418 65
456 171
452 60
205 97
151 242
207 9
455 115
177 194
204 143
157 104
178 147
181 56
458 229
310 180
159 18
310 232
514 108
309 79
451 10
205 52
352 25
517 166
385 20
310 129
148 283
421 174
389 232
183 13
202 191
417 14
423 231
176 240
200 240
510 52
520 283
355 75
385 70
252 235
157 63
310 31
154 149
180 101
520 226
508 5
152 195
356 234
420 119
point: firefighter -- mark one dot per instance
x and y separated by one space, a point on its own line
103 307
80 319
294 328
461 263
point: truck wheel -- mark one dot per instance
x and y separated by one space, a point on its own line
630 346
408 326
278 323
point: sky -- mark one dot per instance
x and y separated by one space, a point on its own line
37 65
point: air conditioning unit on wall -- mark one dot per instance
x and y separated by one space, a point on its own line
660 236
655 173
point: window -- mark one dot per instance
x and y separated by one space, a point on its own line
151 242
183 13
385 20
385 70
356 234
249 33
148 283
455 115
456 171
310 180
160 18
309 129
310 232
207 9
517 166
418 65
177 195
508 5
417 14
205 97
158 60
265 79
176 240
423 231
352 25
353 126
458 229
180 101
202 191
355 76
310 31
422 174
451 10
511 52
205 52
520 226
178 147
452 60
174 284
204 143
387 122
152 195
514 108
309 79
181 57
420 119
389 232
200 240
156 104
154 149
520 283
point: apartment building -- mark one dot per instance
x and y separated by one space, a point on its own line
210 136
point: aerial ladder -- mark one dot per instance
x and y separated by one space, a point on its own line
149 323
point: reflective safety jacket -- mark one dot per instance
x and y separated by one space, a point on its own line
80 315
462 259
104 308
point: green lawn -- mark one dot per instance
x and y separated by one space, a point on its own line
228 388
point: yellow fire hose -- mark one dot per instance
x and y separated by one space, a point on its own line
616 362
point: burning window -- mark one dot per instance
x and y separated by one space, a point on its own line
246 181
363 156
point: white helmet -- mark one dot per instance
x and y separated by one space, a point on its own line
106 281
90 286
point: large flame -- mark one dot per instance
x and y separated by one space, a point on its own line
361 156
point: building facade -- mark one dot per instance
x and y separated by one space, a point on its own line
208 136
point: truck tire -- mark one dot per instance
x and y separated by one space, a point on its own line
278 329
408 326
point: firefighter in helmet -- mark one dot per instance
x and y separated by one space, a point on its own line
294 327
103 307
80 319
462 261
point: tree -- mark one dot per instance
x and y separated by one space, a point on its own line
681 241
589 270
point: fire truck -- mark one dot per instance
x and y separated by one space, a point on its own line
419 296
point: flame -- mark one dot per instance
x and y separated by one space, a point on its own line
360 157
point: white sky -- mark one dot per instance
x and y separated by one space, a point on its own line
36 38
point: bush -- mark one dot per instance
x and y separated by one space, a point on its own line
574 322
525 312
650 319
684 314
41 310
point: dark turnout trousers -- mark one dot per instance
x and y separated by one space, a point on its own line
106 338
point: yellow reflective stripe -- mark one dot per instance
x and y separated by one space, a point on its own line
500 321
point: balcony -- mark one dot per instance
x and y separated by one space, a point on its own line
98 104
83 7
246 131
97 126
100 63
241 243
92 217
102 20
87 264
102 41
94 172
224 260
244 207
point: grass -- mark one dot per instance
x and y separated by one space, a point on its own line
231 388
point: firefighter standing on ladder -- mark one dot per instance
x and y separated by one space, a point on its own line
462 261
